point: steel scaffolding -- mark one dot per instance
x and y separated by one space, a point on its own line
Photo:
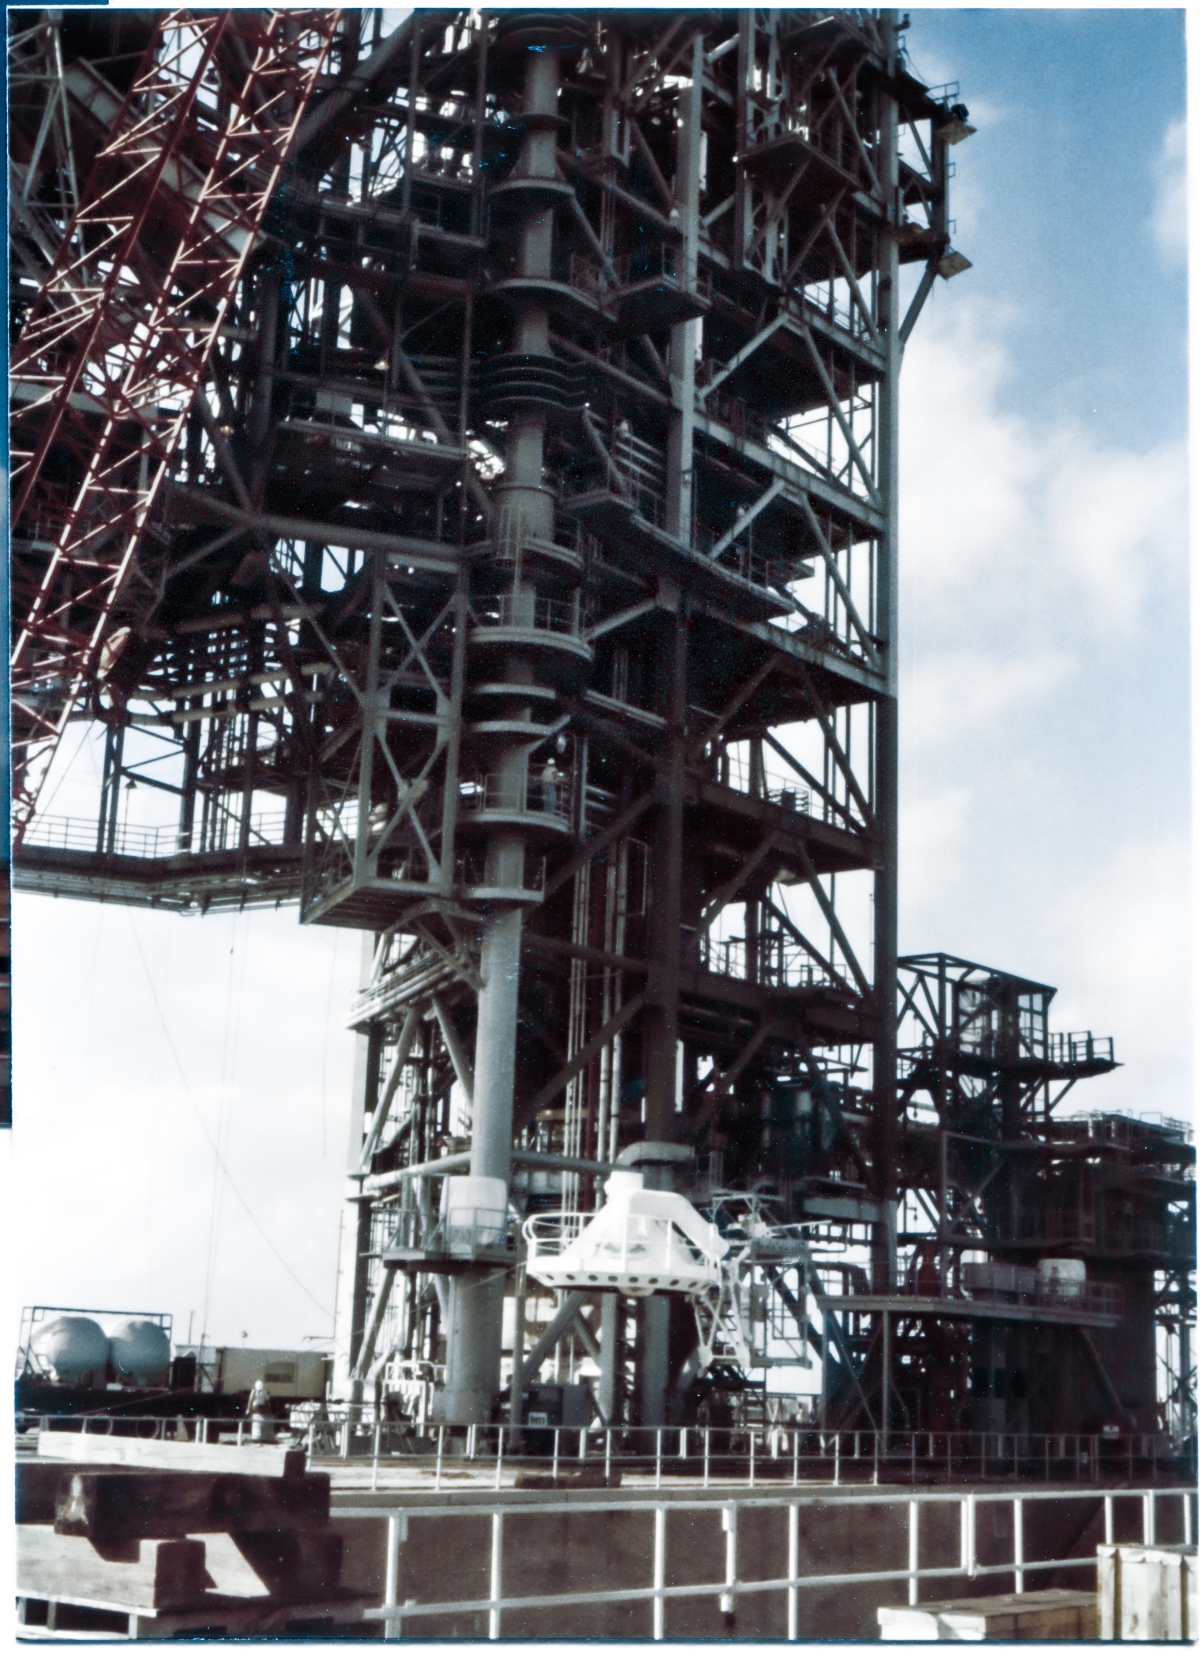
463 478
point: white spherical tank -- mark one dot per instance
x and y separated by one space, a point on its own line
141 1352
73 1348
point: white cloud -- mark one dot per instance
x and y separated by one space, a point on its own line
1123 932
1119 522
116 1178
932 845
1169 218
965 695
1011 523
1043 647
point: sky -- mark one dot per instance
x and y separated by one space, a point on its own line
183 1085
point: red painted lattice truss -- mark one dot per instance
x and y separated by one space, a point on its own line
118 342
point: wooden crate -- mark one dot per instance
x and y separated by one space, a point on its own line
232 1617
123 1543
151 1572
108 1451
1148 1593
1035 1615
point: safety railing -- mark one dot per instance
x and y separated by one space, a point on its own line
517 795
740 557
145 843
1075 1049
1128 1234
797 800
634 485
586 274
742 419
744 1455
1026 1290
732 1578
198 1431
1147 1131
663 263
513 538
822 299
551 1234
472 1228
466 1231
778 962
1085 1296
374 1436
528 614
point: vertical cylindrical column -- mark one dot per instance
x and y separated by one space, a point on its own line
612 1356
886 717
354 1262
526 509
495 1046
681 357
653 1363
660 1024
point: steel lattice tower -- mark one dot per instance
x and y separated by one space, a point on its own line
508 571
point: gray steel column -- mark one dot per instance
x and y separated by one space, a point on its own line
660 1024
661 1020
476 1298
886 780
681 359
354 1267
612 1355
653 1362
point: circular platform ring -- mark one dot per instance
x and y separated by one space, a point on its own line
541 30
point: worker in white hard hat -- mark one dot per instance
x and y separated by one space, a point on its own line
551 775
258 1409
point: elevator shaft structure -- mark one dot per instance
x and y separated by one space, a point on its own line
510 575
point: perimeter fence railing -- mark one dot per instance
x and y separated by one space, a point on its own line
548 1455
1002 1539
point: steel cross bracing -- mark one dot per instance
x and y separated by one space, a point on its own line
42 171
991 1171
525 598
117 340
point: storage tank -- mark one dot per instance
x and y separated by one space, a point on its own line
140 1352
73 1348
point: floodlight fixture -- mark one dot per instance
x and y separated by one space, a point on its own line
952 263
955 127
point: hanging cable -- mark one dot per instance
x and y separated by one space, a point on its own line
233 1187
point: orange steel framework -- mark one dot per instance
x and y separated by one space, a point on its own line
462 478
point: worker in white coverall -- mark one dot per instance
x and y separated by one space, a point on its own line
258 1409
